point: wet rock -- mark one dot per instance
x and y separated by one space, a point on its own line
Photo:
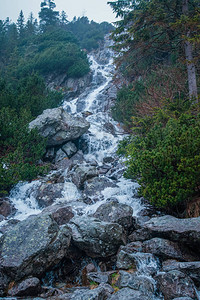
33 246
47 193
60 155
103 170
91 268
69 148
9 225
108 159
175 284
128 294
165 249
95 186
181 230
191 269
66 165
130 257
140 235
58 126
96 238
6 208
98 277
115 212
62 214
4 281
50 293
70 87
135 282
88 269
50 154
1 219
109 127
28 287
82 173
103 291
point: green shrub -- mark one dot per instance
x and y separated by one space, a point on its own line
166 159
127 97
20 149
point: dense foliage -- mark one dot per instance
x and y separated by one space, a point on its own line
158 45
30 52
164 155
89 34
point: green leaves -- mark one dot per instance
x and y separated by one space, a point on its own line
167 161
20 149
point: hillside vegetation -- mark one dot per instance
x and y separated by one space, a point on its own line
159 48
29 52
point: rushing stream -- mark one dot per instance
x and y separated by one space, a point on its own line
100 142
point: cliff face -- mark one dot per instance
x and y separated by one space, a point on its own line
70 87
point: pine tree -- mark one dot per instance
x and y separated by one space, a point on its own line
155 30
20 24
30 26
63 18
48 17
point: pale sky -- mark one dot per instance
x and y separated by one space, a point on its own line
97 10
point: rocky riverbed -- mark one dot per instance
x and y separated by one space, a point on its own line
82 232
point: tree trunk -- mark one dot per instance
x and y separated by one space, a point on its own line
192 82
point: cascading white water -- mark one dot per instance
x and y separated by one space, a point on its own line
101 143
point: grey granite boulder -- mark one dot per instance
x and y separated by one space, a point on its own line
33 246
58 126
95 237
102 292
28 287
94 187
132 257
180 230
140 283
48 192
129 294
82 173
115 212
175 284
60 155
192 269
165 249
61 213
69 148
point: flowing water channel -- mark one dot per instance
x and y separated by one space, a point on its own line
101 141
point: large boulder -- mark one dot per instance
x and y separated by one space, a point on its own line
93 187
192 269
175 284
82 173
165 249
102 292
131 257
33 246
140 283
115 212
61 213
6 208
48 192
129 294
30 286
180 230
95 237
58 126
69 148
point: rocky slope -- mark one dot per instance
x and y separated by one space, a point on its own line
81 232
